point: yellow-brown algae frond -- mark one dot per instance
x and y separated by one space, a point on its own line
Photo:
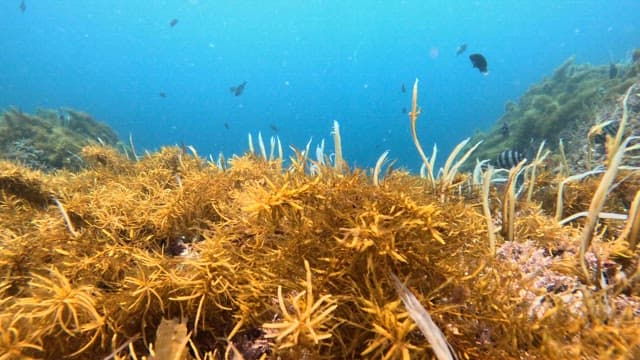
597 203
304 320
392 328
61 309
420 315
413 117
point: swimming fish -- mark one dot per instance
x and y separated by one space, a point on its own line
226 125
273 127
479 62
508 159
173 22
461 49
403 89
162 94
23 6
613 70
237 90
64 116
505 130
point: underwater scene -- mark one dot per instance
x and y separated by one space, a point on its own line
197 179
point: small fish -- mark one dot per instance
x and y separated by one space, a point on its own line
226 125
505 130
23 6
404 110
162 94
479 62
65 117
462 48
508 159
403 89
273 127
237 90
613 71
173 22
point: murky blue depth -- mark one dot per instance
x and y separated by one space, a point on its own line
306 63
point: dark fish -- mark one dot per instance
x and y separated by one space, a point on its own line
613 71
505 130
162 94
479 62
237 90
461 49
403 89
273 127
173 22
226 125
23 6
508 159
404 110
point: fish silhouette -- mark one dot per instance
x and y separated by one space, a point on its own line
173 22
237 90
461 49
479 62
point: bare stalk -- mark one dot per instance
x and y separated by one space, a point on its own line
534 164
378 168
509 202
563 156
439 344
631 230
65 216
486 183
559 198
597 202
413 116
337 141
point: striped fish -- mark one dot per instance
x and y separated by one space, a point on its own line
508 159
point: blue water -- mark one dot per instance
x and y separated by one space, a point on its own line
306 64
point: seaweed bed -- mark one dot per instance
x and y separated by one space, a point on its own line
262 260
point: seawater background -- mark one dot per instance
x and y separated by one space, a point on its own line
306 63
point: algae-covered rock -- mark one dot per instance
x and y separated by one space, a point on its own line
50 139
564 105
